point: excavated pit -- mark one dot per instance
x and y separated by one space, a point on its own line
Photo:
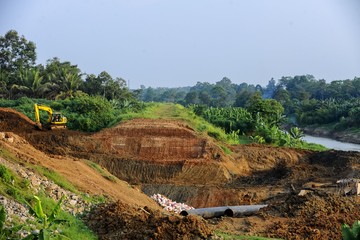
161 156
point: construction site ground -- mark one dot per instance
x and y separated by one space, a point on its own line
165 156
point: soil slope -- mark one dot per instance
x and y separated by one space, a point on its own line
168 157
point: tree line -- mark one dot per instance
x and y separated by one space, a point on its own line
305 99
21 77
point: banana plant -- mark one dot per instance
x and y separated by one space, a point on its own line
46 220
296 133
351 233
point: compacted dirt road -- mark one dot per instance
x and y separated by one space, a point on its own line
168 157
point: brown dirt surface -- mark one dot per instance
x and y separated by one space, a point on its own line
78 172
317 215
14 121
168 157
118 221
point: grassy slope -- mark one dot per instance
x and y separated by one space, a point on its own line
18 189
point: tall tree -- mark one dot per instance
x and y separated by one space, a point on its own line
270 89
16 52
269 109
219 96
191 98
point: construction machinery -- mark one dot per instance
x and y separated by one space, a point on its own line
55 119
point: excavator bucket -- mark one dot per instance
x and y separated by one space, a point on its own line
38 126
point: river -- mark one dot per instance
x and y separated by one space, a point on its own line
333 144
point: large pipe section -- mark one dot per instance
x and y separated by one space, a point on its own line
230 211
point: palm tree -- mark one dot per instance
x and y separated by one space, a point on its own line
31 84
70 83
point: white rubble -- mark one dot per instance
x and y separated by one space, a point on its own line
170 205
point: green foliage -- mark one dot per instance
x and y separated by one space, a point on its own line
59 224
7 232
16 52
352 233
5 174
89 114
296 133
10 184
46 220
73 229
56 178
260 128
7 103
226 149
102 171
269 110
230 119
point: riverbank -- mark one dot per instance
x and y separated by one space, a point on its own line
349 135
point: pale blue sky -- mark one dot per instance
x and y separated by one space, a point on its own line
173 43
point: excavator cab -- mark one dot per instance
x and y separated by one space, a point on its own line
55 120
57 117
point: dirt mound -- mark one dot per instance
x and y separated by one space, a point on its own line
156 151
118 221
51 142
14 121
317 215
152 140
344 164
265 157
77 171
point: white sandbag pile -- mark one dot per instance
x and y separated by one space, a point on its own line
170 205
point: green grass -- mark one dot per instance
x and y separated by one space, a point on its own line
50 174
179 112
102 171
225 149
244 139
56 178
72 228
14 187
312 146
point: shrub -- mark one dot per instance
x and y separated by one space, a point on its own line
5 174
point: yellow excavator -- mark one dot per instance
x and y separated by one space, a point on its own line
55 121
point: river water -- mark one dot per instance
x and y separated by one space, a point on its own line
332 144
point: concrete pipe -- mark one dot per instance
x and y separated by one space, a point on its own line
230 211
236 211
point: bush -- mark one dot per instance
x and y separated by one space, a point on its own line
5 174
89 114
13 192
7 103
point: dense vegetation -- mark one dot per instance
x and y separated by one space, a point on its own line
20 77
305 100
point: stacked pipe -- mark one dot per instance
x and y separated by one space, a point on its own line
170 205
